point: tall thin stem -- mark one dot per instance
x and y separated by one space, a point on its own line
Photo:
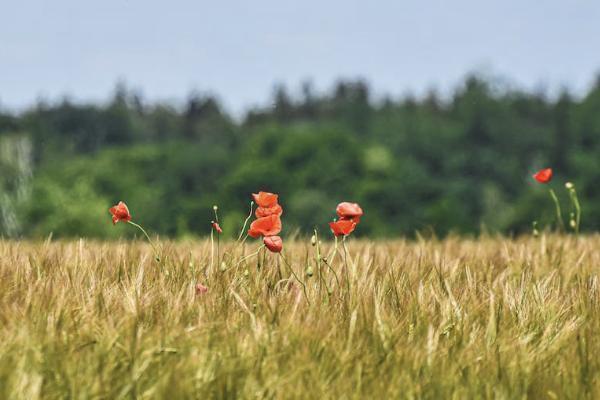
575 201
248 256
212 249
561 224
296 277
246 222
156 254
347 273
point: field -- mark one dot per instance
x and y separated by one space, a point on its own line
454 318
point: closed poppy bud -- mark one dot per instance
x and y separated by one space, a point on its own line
266 226
120 212
201 289
569 185
346 210
543 176
342 227
309 271
216 227
313 240
265 199
273 243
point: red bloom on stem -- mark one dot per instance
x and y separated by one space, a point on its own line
273 243
265 199
120 212
216 227
343 227
265 226
543 176
267 211
351 211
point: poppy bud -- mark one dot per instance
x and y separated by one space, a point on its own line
216 227
569 185
535 231
201 289
309 271
313 240
223 266
215 207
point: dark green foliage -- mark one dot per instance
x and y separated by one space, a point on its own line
428 164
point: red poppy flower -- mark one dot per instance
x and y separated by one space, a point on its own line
273 243
265 199
216 227
266 211
120 212
543 176
351 211
265 226
201 289
343 227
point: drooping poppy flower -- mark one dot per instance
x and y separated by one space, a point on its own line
352 211
267 211
265 199
216 227
543 176
201 289
342 227
273 243
120 212
265 226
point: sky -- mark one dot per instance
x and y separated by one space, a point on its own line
239 50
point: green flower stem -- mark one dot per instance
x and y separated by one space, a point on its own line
249 256
156 253
559 218
295 276
575 201
347 273
246 223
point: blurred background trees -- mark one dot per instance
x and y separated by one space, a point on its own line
460 164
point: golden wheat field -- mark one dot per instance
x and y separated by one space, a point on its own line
435 319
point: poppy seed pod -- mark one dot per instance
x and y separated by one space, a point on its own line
309 271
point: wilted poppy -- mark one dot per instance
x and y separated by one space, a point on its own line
273 243
267 211
216 227
120 212
201 289
343 227
265 226
543 176
265 199
350 211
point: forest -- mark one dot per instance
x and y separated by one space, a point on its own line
429 165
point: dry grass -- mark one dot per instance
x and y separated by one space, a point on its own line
487 318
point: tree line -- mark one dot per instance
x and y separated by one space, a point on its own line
459 164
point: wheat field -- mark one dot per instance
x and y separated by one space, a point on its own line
436 319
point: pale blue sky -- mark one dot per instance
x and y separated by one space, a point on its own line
239 49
